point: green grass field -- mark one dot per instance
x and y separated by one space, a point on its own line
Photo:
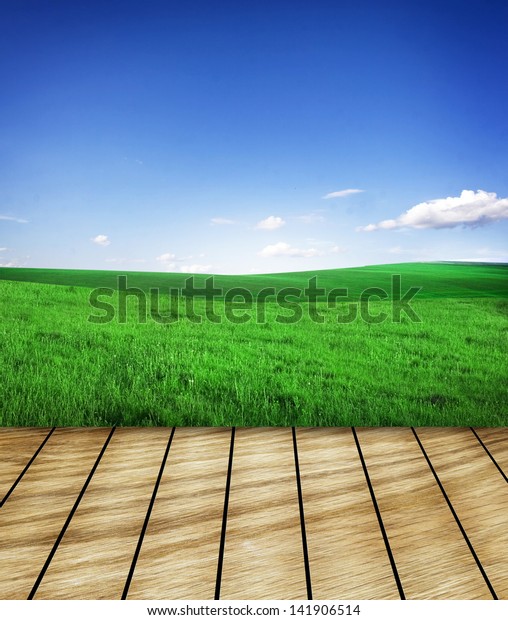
450 368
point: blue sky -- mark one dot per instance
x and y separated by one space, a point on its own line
233 137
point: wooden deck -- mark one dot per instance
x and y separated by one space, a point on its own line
204 513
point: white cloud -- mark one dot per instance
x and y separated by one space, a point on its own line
343 193
15 262
310 218
8 218
168 261
271 223
166 258
284 249
470 209
195 268
101 240
336 249
171 262
3 249
221 221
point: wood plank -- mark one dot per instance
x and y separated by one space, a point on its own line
263 552
33 517
17 446
263 556
430 553
478 494
178 558
343 533
496 441
94 557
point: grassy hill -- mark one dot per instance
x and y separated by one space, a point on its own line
448 368
437 280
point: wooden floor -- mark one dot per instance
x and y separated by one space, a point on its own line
204 513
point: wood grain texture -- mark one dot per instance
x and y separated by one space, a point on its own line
496 441
343 533
478 494
263 556
431 556
179 555
94 556
17 446
32 518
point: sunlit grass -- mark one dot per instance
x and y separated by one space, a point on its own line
60 369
